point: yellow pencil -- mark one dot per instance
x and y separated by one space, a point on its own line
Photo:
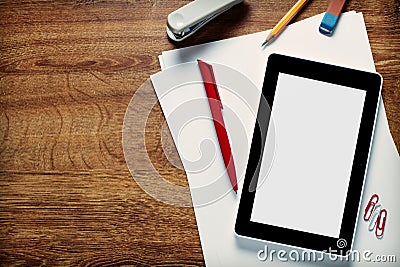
284 21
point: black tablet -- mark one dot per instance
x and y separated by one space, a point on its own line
309 154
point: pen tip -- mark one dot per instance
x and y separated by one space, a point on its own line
264 43
235 189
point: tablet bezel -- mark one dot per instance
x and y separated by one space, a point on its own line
369 82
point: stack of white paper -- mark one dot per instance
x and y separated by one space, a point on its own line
348 47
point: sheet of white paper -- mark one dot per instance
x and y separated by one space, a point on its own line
348 47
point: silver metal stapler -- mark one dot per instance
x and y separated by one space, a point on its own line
186 20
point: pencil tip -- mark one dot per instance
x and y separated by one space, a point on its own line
268 40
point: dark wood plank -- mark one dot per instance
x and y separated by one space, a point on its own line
67 73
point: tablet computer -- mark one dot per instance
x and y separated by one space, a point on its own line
309 154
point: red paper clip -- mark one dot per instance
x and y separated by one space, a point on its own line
380 223
370 207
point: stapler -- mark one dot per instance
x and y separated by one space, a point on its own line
186 20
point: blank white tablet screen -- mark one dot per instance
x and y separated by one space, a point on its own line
316 126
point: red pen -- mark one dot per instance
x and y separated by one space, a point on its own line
215 103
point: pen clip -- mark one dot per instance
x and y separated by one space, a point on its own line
211 80
214 83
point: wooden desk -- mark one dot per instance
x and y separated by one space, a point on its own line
67 73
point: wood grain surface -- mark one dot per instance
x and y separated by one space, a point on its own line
68 70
